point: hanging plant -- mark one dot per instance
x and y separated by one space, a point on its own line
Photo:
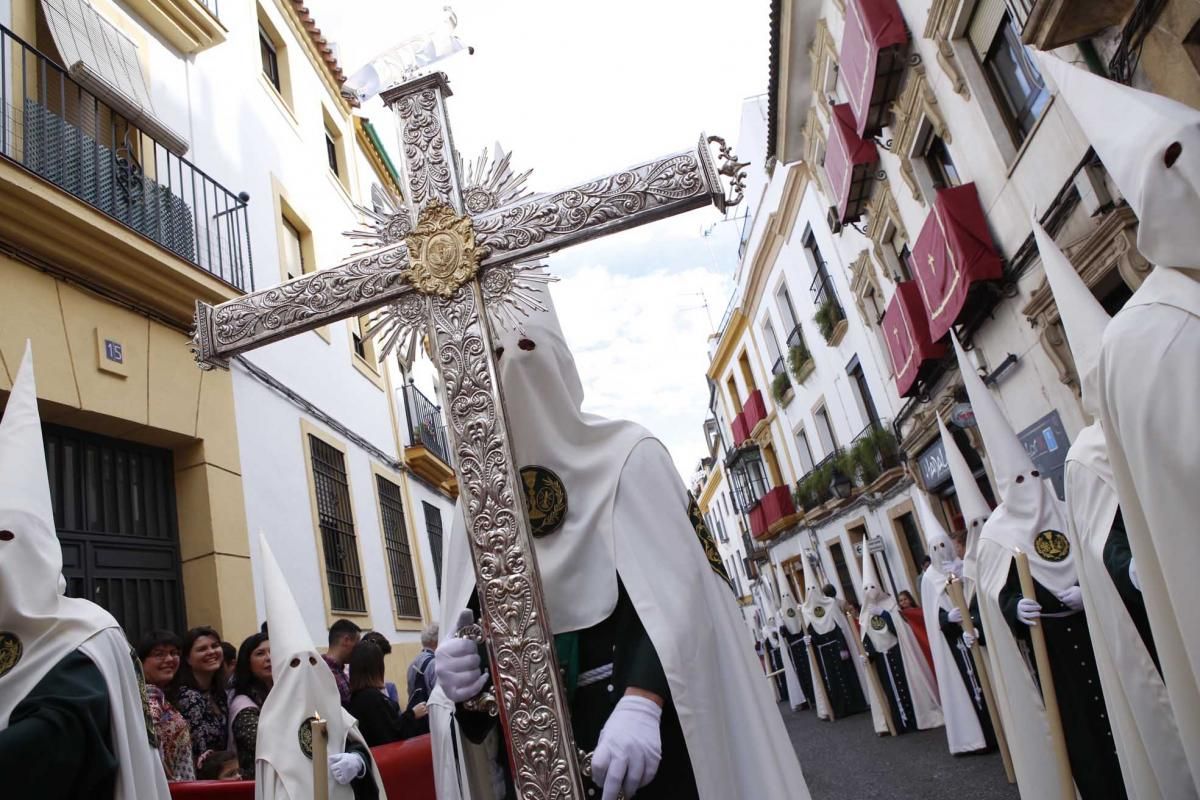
799 359
780 385
828 316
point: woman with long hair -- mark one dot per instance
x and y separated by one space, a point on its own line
379 719
159 653
251 682
199 693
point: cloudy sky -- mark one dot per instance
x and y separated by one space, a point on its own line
577 90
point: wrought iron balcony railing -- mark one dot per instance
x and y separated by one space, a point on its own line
57 129
874 451
425 424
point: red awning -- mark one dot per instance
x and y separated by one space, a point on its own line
907 330
954 251
740 432
872 59
850 163
755 411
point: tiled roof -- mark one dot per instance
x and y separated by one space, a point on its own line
773 75
322 44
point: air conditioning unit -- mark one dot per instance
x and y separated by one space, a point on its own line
834 220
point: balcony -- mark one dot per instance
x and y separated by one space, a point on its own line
740 432
58 131
915 355
189 25
830 318
774 513
850 163
428 451
872 60
814 490
873 461
754 412
1050 24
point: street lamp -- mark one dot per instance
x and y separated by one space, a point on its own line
840 484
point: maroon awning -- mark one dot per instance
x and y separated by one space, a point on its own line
872 59
774 507
906 328
850 163
954 251
755 411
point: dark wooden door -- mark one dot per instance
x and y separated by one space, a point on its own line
114 511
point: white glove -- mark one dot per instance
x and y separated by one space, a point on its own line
968 639
864 658
630 747
845 654
456 665
808 639
345 767
1133 575
954 615
1072 597
1028 611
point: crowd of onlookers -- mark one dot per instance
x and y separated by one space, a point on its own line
205 695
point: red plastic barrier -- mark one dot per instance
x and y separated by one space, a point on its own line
406 768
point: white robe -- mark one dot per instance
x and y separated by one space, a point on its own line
1149 384
1143 722
690 615
921 687
964 734
1017 696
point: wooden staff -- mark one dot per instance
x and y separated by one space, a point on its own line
818 681
955 590
873 678
1049 697
320 757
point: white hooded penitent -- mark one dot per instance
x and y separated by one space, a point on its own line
624 513
963 731
921 686
38 625
1028 517
971 502
1143 723
303 689
1147 376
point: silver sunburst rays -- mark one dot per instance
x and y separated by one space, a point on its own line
511 292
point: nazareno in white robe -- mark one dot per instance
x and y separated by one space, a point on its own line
627 518
48 625
1148 374
689 613
964 734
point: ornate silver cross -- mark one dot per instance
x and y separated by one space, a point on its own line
470 252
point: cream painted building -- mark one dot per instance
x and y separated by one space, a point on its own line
161 152
909 146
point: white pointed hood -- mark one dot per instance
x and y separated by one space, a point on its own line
303 688
819 611
942 556
38 625
874 597
543 405
1030 516
789 610
1083 318
1136 134
974 505
1004 449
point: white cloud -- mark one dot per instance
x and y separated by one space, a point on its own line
640 342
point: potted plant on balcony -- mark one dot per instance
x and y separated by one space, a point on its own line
875 452
800 361
848 465
827 318
781 388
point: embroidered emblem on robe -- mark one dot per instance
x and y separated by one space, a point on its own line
706 541
545 499
819 612
1052 545
877 623
10 652
791 612
304 734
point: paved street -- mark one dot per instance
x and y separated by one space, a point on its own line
845 760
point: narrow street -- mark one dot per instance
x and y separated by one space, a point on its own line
845 760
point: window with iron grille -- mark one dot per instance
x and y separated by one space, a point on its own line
433 530
395 542
270 59
849 591
336 519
